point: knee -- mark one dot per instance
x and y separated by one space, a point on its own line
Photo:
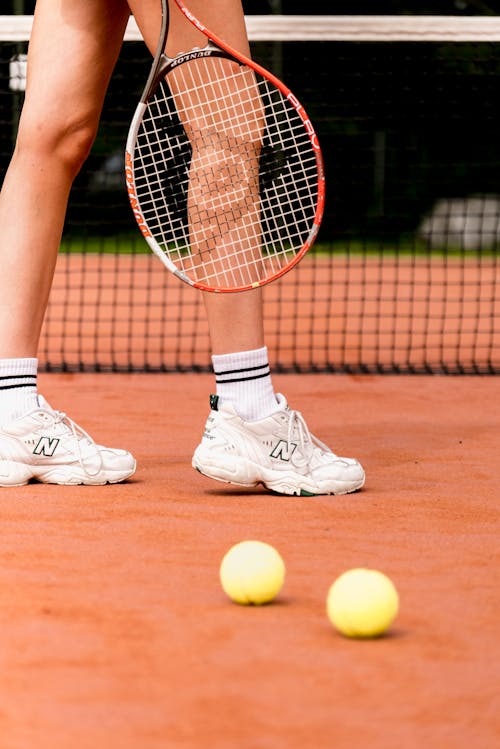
67 140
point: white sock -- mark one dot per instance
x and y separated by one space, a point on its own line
243 380
18 390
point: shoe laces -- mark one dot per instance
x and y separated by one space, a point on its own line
78 433
297 428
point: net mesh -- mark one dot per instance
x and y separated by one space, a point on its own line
404 274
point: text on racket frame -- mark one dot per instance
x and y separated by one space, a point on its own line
305 119
132 195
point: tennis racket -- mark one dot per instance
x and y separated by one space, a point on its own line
223 167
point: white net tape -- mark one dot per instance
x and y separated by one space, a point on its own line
328 28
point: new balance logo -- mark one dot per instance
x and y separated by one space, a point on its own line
283 450
46 446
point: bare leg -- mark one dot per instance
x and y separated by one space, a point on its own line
235 320
72 52
275 449
245 329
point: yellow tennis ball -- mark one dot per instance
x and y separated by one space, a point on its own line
362 603
252 572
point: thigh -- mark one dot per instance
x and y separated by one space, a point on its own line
224 17
72 52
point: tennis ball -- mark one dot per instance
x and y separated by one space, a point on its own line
362 603
252 572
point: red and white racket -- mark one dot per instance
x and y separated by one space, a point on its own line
223 168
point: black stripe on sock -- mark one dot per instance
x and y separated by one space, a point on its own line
18 377
240 371
244 379
15 387
31 381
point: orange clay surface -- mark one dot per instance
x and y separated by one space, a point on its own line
116 634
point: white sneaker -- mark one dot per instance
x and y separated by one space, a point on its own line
46 445
278 451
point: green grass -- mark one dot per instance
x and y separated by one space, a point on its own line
123 244
409 246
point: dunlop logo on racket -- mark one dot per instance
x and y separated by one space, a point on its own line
223 167
194 55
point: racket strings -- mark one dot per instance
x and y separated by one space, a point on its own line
225 174
222 115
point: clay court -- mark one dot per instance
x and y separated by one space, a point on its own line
116 632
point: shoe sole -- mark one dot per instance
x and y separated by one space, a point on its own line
14 474
279 482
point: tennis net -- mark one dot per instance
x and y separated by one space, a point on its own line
404 274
